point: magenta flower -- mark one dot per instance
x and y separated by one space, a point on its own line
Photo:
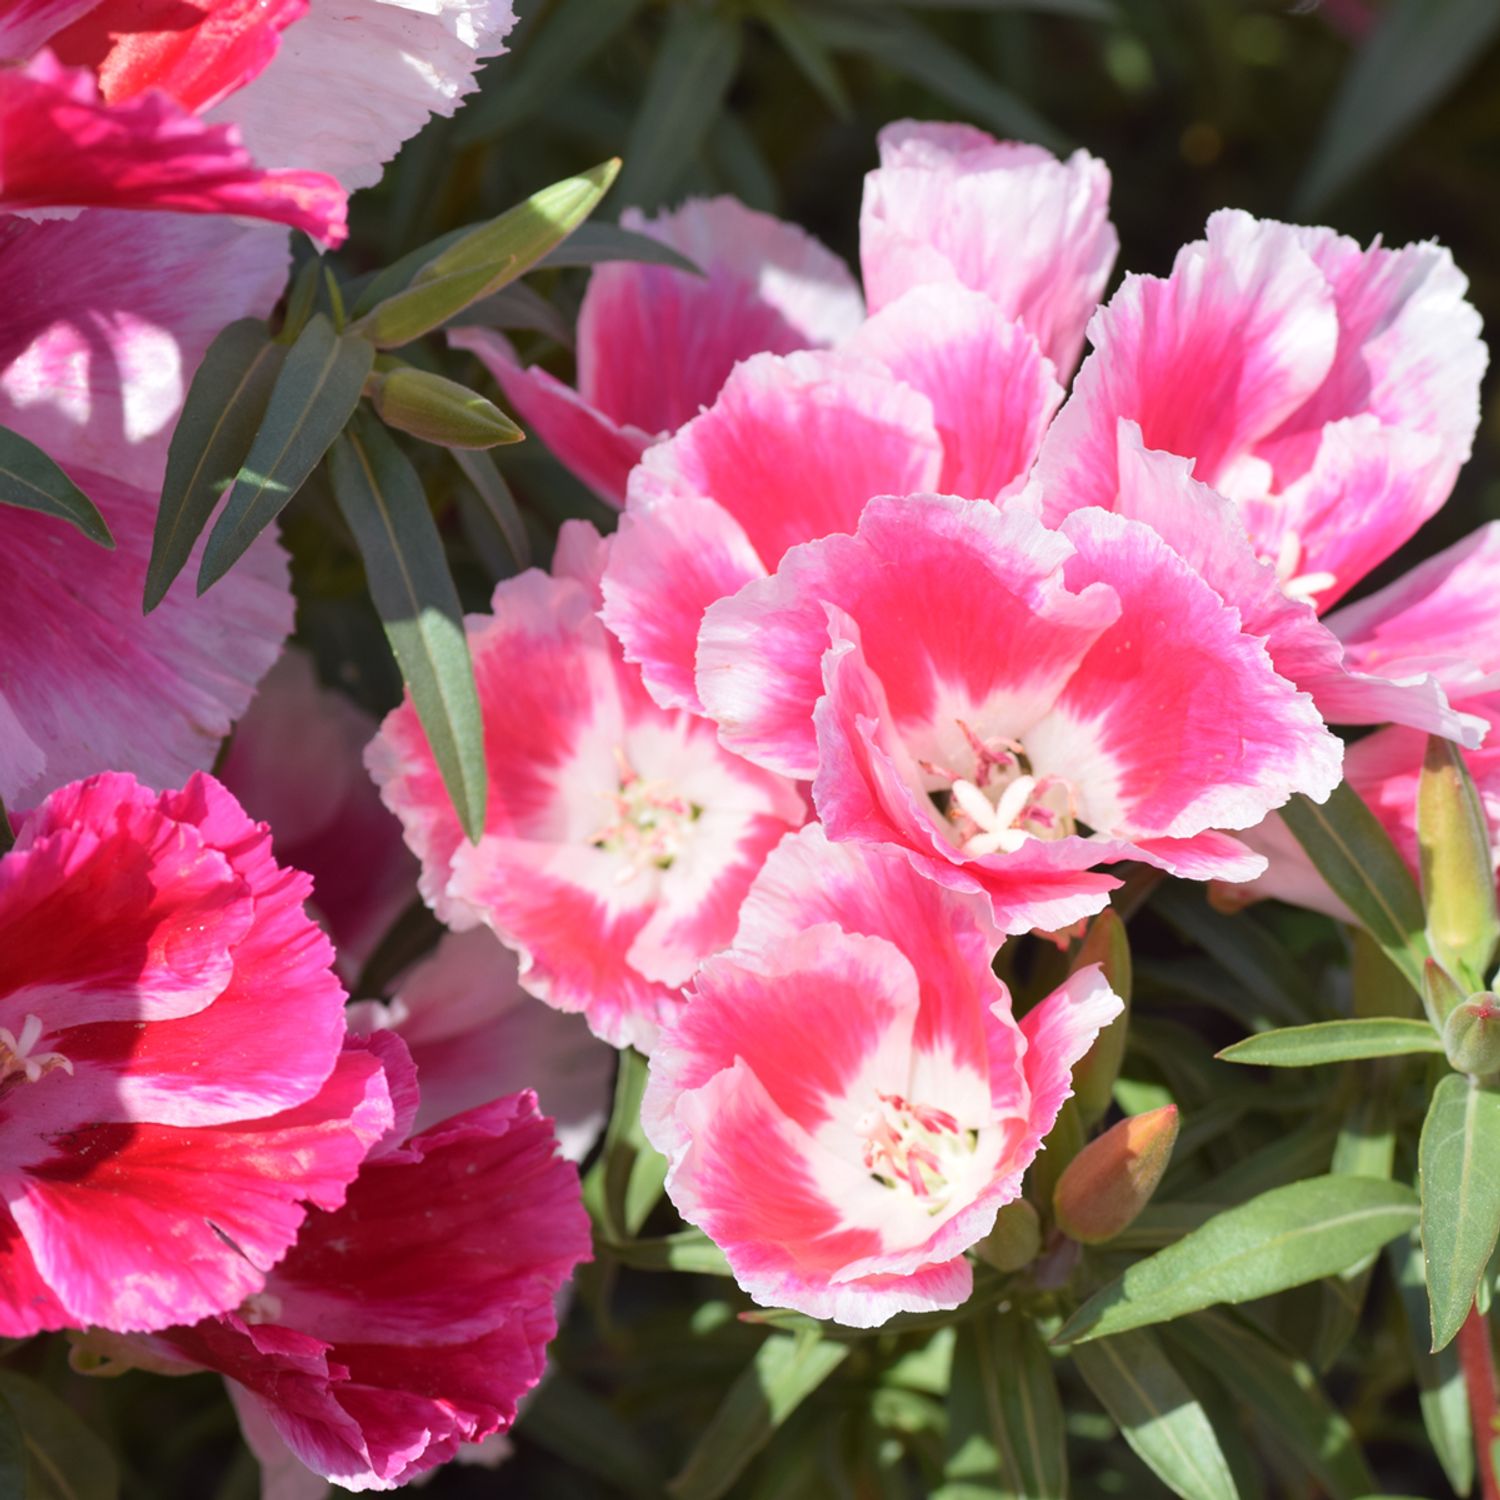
619 839
847 1101
411 1321
767 287
949 204
172 1090
1012 706
1330 392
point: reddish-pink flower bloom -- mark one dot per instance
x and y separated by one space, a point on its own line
949 203
172 1090
847 1101
410 1321
296 762
619 838
1330 392
108 316
767 287
1010 705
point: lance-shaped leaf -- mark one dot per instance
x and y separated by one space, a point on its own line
1283 1238
597 244
314 395
1157 1414
1458 868
65 1459
1284 1396
1005 1421
1354 854
500 505
30 480
419 294
690 1252
1460 1197
1441 1389
1333 1042
634 1173
786 1370
225 406
382 500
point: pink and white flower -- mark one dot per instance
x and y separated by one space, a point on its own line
1013 706
767 287
1330 392
172 1089
109 316
848 1101
619 839
950 204
411 1321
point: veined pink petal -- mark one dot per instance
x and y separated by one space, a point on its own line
65 147
950 203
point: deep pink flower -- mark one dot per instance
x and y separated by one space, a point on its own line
767 287
172 1089
296 762
474 1033
409 1322
619 838
1330 392
1070 698
107 317
847 1101
949 203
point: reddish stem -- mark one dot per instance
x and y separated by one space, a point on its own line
1477 1355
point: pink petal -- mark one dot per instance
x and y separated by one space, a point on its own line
1058 1033
949 203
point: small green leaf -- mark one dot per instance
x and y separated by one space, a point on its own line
1005 1420
382 501
685 91
1460 1197
30 480
517 306
783 1374
1354 854
65 1460
1157 1414
1284 1238
314 395
224 409
1334 1042
598 244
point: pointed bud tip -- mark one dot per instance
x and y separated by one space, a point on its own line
1113 1178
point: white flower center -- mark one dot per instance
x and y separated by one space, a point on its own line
1295 585
915 1147
1002 804
649 823
20 1059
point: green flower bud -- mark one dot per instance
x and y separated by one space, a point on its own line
1016 1239
1458 869
1471 1035
438 410
1112 1179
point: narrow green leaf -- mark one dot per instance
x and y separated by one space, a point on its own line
690 1252
1460 1197
1354 854
1417 53
1442 1391
1333 1042
382 501
1283 1238
314 395
805 47
1157 1414
517 306
65 1459
30 480
571 1422
597 244
783 1374
1005 1421
633 1172
1284 1395
686 88
913 51
489 484
224 409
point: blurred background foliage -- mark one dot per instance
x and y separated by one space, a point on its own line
1375 118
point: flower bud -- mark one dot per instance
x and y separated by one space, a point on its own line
1112 1179
1471 1035
1015 1240
438 410
1094 1077
1458 869
1441 993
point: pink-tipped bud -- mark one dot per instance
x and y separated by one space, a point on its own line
1112 1179
1471 1035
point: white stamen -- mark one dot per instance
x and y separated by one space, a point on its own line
17 1054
